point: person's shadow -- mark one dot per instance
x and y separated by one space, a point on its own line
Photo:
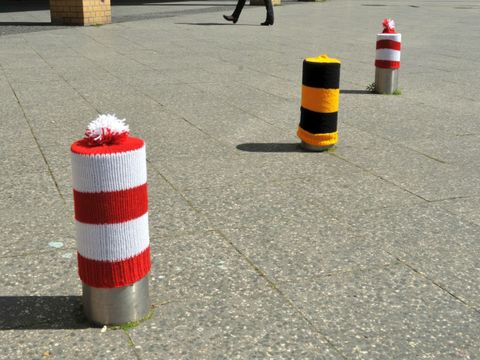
42 312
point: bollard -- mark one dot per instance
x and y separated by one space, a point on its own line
387 59
319 110
111 216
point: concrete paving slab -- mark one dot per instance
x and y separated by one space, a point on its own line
280 113
169 212
207 297
252 324
291 251
229 170
38 232
432 241
41 310
43 274
467 208
66 344
17 161
258 198
397 118
200 265
169 137
456 149
387 313
32 74
423 175
274 203
26 190
25 58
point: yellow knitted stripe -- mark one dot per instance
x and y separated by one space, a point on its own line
320 100
318 139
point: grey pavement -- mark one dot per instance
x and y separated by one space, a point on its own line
368 251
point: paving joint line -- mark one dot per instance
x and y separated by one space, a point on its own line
258 270
456 215
441 287
282 98
192 84
35 139
241 109
162 176
148 95
132 344
274 286
189 203
371 172
122 80
421 153
65 80
456 198
355 271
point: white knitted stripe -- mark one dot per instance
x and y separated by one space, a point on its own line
109 172
388 54
113 242
393 37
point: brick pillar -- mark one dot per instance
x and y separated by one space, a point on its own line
80 12
261 2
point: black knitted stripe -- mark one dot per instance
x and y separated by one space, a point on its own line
321 75
318 123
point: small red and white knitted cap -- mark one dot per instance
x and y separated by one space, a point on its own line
111 205
389 44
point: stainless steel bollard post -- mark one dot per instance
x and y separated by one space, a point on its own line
118 305
386 80
387 59
111 217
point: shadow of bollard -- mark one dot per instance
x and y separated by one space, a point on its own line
270 147
358 92
42 312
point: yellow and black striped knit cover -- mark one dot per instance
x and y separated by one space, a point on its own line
320 93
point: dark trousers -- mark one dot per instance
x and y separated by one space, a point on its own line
241 4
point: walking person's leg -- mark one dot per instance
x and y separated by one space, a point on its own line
269 6
236 14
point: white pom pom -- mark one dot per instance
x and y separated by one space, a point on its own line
106 129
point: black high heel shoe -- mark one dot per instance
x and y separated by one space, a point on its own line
230 18
267 22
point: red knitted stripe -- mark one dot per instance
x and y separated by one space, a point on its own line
385 64
131 143
389 44
105 274
110 207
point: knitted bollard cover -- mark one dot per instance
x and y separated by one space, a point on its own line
111 205
389 44
320 95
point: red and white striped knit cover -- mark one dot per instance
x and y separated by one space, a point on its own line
111 212
388 51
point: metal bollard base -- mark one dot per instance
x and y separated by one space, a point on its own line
118 305
386 80
310 147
